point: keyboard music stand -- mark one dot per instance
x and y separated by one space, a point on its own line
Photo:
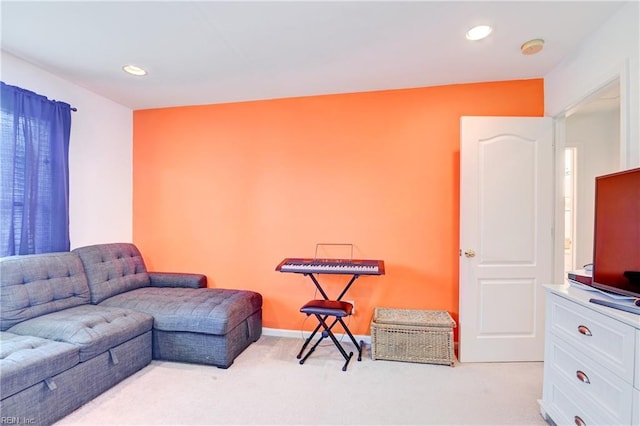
311 267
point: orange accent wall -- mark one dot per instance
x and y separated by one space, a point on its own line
229 190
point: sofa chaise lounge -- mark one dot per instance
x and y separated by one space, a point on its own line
74 324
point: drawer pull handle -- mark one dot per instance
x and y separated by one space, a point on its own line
582 377
578 421
583 329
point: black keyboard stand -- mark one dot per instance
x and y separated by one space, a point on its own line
322 292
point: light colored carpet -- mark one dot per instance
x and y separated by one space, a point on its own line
267 386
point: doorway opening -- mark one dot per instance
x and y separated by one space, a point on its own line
569 208
592 134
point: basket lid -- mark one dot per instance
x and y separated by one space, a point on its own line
413 317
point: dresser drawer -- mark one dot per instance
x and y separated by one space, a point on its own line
605 393
605 340
565 407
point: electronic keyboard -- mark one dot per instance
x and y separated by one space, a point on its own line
332 266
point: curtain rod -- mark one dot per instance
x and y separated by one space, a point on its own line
74 109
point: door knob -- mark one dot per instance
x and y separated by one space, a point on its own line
470 253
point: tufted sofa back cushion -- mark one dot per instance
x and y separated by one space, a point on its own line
38 284
113 269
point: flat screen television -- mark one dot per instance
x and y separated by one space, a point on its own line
616 245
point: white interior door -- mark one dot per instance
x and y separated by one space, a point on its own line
506 236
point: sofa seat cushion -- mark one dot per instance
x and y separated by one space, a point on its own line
93 329
196 310
27 360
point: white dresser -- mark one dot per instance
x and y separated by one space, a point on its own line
591 361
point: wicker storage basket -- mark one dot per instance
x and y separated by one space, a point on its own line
412 335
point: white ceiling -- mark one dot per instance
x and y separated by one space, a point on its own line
215 52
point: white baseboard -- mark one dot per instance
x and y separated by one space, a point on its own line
297 334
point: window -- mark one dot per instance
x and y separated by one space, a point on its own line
34 173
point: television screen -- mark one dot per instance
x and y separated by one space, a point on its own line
616 250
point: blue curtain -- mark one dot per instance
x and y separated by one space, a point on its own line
34 173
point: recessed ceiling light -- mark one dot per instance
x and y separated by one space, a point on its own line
134 70
479 32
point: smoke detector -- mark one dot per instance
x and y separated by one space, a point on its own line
532 47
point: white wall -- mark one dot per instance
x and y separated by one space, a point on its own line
612 51
100 155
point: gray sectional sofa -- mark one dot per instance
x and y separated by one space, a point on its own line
74 324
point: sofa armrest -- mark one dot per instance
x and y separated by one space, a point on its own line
177 279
